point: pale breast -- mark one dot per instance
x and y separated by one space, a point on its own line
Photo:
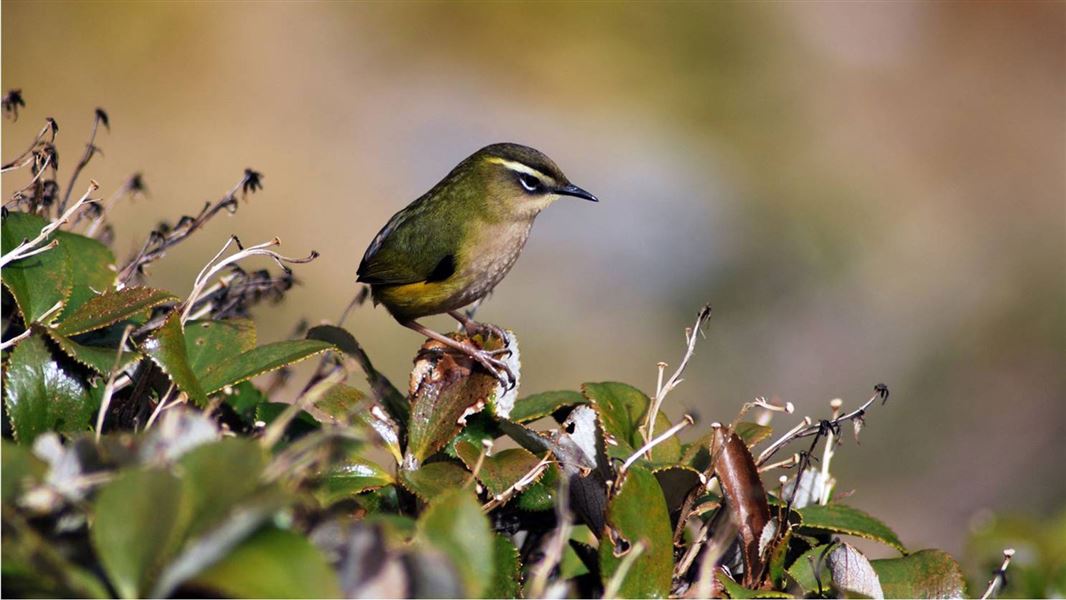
495 251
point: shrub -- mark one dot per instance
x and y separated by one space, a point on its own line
145 452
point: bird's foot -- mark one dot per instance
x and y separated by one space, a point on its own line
500 369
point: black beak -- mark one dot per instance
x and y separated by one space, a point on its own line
572 190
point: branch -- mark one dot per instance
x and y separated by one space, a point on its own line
661 390
90 149
999 578
26 157
30 247
215 266
161 240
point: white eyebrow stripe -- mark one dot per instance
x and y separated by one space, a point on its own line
521 168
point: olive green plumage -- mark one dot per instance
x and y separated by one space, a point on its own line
451 246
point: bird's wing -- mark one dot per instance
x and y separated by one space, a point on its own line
402 253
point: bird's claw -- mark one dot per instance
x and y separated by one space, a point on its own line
497 367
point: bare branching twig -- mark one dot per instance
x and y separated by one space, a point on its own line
662 389
999 578
30 247
99 117
166 237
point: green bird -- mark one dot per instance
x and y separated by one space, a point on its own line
450 247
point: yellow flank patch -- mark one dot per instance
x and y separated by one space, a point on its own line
417 298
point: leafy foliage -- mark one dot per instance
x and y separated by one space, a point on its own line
148 452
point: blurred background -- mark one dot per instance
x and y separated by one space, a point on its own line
863 192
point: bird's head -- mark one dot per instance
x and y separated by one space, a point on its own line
519 180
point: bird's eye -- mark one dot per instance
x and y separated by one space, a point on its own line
529 182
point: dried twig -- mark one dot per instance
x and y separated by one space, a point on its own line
26 157
808 428
999 578
215 266
662 389
164 238
109 388
686 421
90 149
553 554
30 247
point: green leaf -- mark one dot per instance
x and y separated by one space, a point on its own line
41 395
98 358
534 407
166 347
541 495
752 433
273 563
244 366
623 409
346 405
922 574
637 513
434 479
454 525
802 569
508 570
351 477
839 518
735 590
111 307
21 469
38 282
383 390
676 482
210 342
500 471
92 268
139 522
218 476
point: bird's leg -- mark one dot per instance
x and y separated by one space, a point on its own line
484 357
471 326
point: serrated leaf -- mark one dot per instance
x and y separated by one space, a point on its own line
391 398
92 268
752 433
507 574
840 518
98 358
540 405
852 573
746 499
735 590
454 525
802 569
446 389
38 282
922 574
541 495
166 347
622 409
434 479
237 368
111 307
139 522
637 513
677 481
272 564
500 471
208 343
353 476
41 395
